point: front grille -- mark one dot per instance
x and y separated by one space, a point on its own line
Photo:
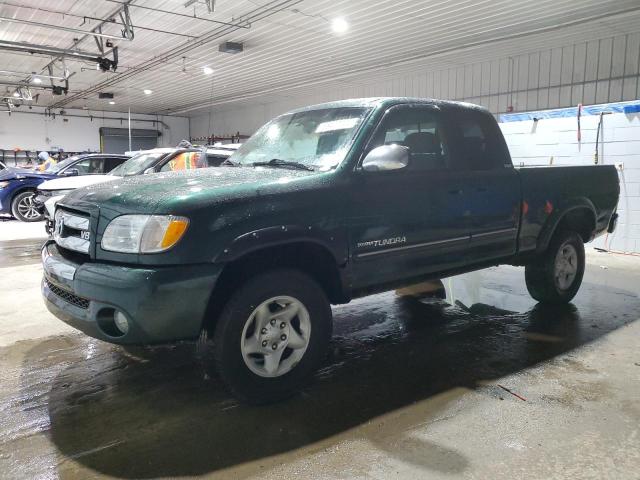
67 296
71 230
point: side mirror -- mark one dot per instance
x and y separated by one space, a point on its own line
72 172
385 158
149 170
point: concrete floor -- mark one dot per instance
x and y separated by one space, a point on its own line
411 389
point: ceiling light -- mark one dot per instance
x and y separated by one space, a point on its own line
112 102
147 91
207 70
16 94
36 80
339 25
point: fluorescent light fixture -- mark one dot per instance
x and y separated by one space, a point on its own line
36 80
339 25
207 70
112 102
147 91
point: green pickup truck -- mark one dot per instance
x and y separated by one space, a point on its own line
322 205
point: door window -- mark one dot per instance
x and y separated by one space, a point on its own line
185 161
420 130
111 163
89 166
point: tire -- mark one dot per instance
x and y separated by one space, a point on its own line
557 275
23 209
254 352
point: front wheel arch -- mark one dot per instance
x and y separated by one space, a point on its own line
308 257
16 198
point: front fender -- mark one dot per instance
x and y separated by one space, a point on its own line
335 241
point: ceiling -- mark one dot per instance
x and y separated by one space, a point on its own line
287 43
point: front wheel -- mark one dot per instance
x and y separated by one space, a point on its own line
24 209
557 275
272 335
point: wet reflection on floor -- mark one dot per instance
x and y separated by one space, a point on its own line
156 413
20 252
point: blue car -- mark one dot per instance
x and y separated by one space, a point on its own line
18 185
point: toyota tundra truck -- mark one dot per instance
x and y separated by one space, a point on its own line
322 205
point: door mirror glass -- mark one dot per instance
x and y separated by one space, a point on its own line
150 170
385 158
72 172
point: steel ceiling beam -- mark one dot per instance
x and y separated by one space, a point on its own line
259 13
63 28
25 85
169 12
84 18
12 73
45 50
23 47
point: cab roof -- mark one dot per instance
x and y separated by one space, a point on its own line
387 102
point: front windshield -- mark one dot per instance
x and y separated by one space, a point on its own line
137 164
318 139
55 168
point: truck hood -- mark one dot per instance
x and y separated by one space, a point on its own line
175 192
11 173
70 183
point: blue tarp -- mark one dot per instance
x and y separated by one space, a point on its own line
620 107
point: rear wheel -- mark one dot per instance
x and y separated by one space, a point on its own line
272 335
24 209
557 275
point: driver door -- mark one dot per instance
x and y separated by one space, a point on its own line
412 221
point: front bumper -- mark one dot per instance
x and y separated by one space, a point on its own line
162 304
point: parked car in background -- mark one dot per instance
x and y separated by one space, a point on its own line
218 153
18 185
146 161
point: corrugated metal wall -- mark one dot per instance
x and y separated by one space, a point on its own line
599 71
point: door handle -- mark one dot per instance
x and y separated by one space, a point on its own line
455 192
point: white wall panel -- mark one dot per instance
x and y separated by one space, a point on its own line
532 144
37 132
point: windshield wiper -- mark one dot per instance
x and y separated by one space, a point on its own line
279 163
229 163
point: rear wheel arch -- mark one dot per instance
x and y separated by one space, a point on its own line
310 257
580 218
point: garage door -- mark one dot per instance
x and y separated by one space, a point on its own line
116 140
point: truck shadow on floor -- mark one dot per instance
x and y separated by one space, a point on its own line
159 414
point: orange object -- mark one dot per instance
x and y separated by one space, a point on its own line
186 161
174 232
525 208
548 208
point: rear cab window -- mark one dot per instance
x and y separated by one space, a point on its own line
479 142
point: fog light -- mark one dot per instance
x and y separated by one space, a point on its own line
121 322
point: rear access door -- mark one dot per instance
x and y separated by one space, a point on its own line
483 163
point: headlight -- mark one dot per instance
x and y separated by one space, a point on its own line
57 193
54 193
143 233
3 184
